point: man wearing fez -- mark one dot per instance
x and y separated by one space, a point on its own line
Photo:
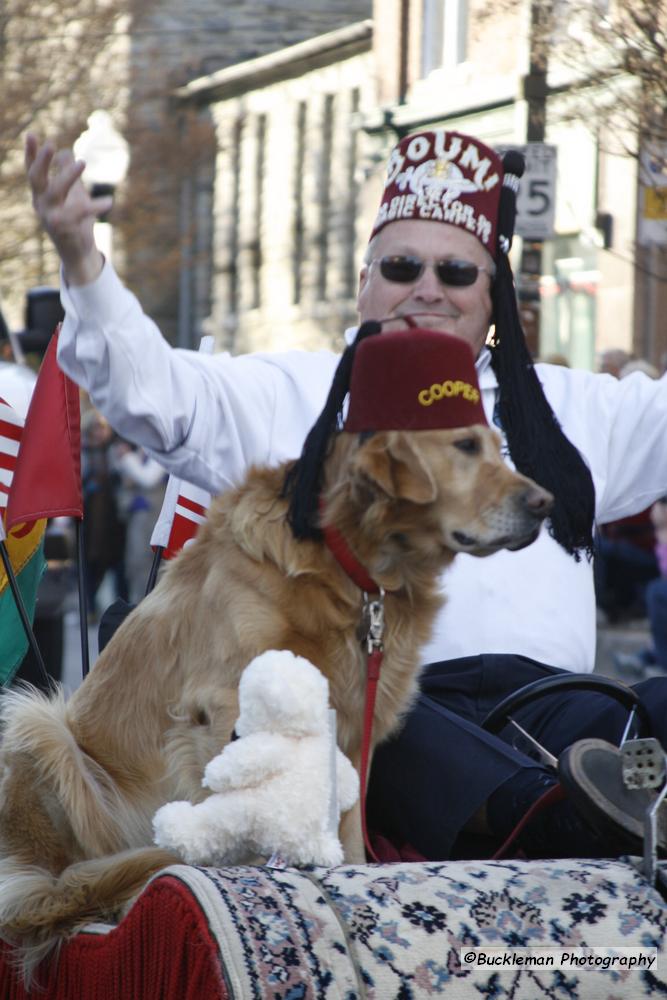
439 253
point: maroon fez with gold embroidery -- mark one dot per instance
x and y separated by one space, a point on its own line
416 380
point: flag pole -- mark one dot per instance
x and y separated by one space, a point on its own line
83 599
23 614
155 565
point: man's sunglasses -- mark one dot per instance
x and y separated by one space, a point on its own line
406 269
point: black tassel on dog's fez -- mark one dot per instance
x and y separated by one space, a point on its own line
303 482
536 442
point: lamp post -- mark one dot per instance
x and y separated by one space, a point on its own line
107 158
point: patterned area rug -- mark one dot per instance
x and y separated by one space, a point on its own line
395 931
374 932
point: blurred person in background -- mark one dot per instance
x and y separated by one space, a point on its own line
638 365
652 660
142 486
625 558
16 380
56 595
656 592
612 360
556 359
625 564
103 524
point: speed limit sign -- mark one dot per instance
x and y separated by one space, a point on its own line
536 204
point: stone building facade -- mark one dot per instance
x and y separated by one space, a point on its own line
166 226
317 122
289 222
462 64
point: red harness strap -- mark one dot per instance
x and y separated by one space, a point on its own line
344 556
375 611
373 664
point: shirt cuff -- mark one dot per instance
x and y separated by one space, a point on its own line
97 297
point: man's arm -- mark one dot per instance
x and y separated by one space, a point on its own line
65 209
620 427
204 419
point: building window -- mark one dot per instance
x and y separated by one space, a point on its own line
298 234
569 294
444 34
352 208
325 196
234 240
256 246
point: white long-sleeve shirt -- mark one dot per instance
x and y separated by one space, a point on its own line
208 418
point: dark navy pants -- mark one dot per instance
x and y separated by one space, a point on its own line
428 781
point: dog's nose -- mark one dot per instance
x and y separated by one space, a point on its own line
538 501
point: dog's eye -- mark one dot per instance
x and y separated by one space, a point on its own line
468 445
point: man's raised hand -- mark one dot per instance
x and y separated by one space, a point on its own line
65 209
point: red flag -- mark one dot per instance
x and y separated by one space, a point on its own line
184 506
183 510
47 478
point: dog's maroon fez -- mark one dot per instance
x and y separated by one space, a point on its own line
414 379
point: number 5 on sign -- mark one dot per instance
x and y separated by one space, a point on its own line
536 204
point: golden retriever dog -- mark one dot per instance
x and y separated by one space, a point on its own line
82 778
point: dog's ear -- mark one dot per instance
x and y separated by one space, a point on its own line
393 462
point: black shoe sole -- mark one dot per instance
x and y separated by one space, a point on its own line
590 771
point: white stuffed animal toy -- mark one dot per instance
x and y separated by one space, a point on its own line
272 787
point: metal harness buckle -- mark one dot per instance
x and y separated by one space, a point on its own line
373 612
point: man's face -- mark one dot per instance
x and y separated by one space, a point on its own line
464 311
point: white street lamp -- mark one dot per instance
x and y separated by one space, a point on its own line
104 151
106 155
